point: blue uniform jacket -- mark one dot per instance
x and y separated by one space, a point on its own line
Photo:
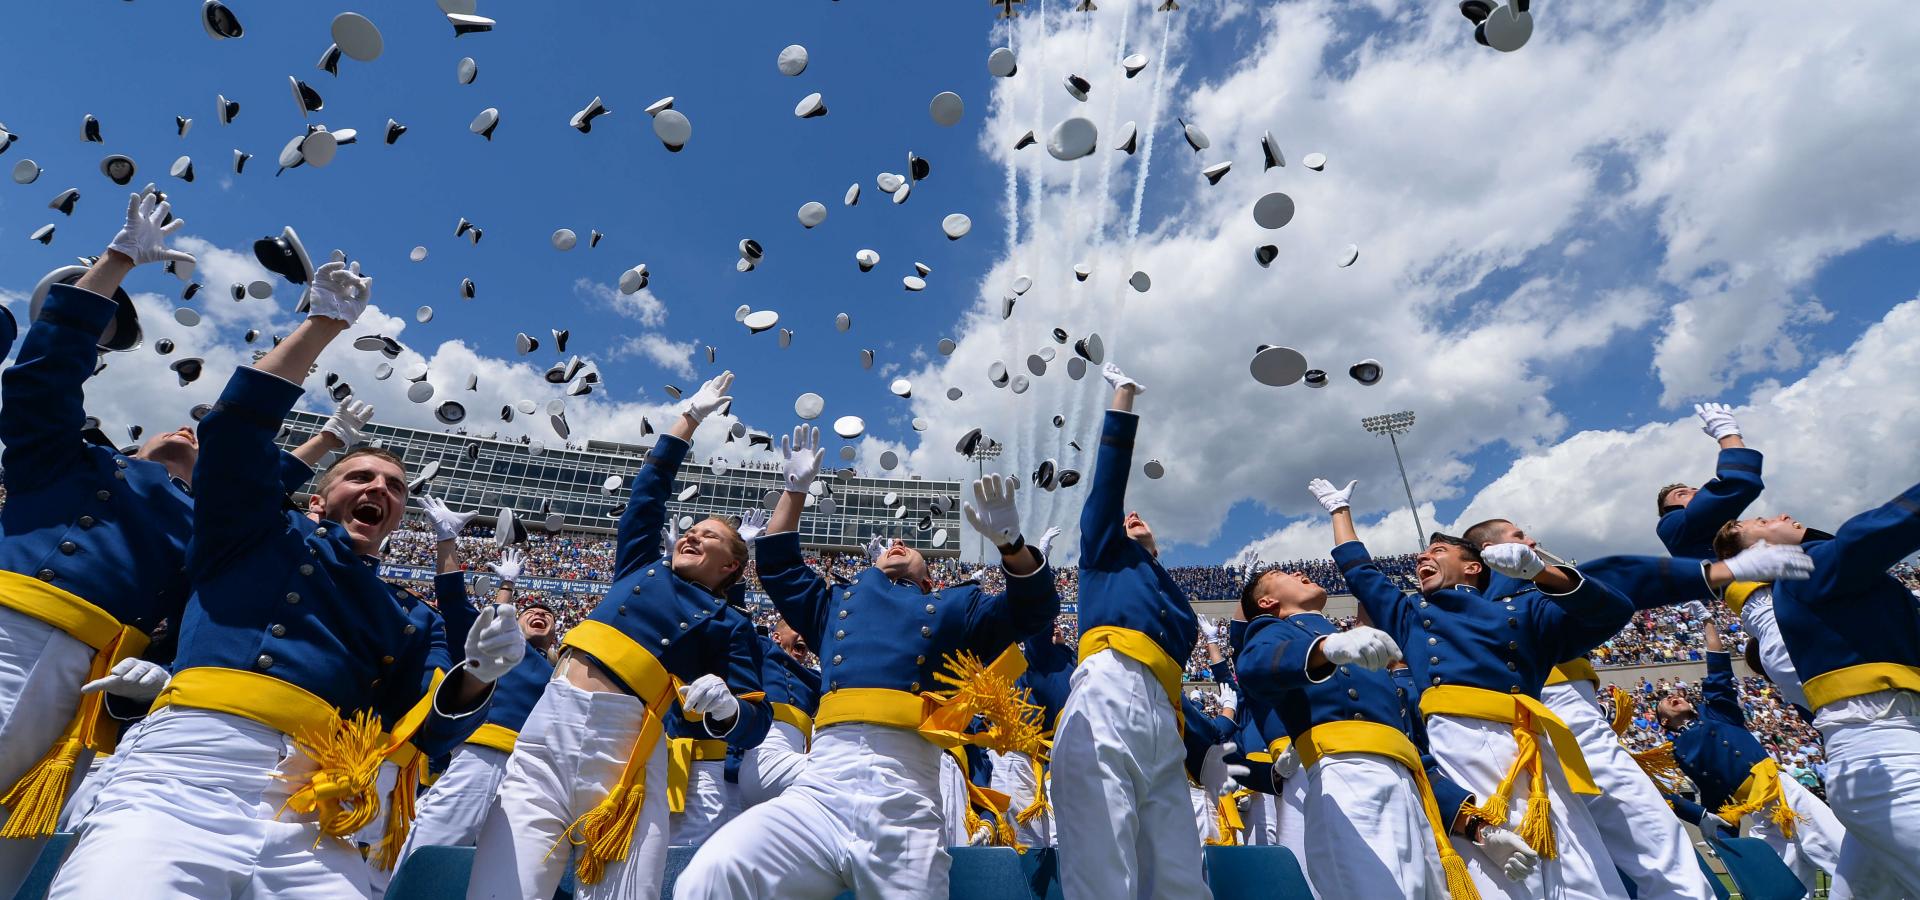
107 528
1049 673
1717 751
690 630
1688 531
1253 719
1203 732
1121 584
277 593
517 691
1460 635
786 680
876 633
1851 612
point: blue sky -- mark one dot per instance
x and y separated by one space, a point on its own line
1607 217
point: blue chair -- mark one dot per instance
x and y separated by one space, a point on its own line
1713 878
1246 873
986 873
1756 870
40 877
432 873
1042 865
677 859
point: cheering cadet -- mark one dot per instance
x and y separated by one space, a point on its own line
451 811
1689 516
1482 664
590 765
793 694
1854 634
864 814
1738 779
264 748
1122 814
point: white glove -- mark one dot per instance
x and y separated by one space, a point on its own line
134 679
1716 419
143 239
1366 647
981 836
510 565
876 548
708 697
1215 771
1046 540
1513 560
1229 698
1334 499
1287 764
753 525
1710 821
339 292
1119 379
1508 852
996 517
494 645
1771 562
347 420
1695 609
710 398
446 523
800 457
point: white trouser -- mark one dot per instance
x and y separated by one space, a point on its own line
198 809
370 835
1476 754
1290 807
1206 817
1642 837
1756 618
1367 830
953 803
96 775
1013 776
1263 821
1873 787
41 671
711 803
568 757
1817 835
1122 814
768 769
450 812
864 816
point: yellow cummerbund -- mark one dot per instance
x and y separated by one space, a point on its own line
1493 706
709 750
1854 681
281 705
795 716
625 658
1580 669
494 737
1279 746
1137 646
1356 737
876 706
1737 593
85 622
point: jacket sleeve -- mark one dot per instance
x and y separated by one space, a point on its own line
1651 582
456 610
1447 794
442 733
1275 659
1865 547
797 591
1222 672
1028 607
744 660
1719 691
237 481
294 474
42 406
1383 600
1202 734
1236 635
1687 810
1581 619
1736 483
1103 535
638 536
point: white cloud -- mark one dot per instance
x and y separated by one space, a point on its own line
674 356
642 305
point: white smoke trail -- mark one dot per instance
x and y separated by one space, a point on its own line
1012 201
1153 127
1106 127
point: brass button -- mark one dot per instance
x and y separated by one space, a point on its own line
1401 691
843 614
1353 694
649 573
411 628
321 531
69 548
1509 607
44 574
1423 604
683 626
306 568
913 688
1358 716
846 595
1426 623
293 597
264 662
929 609
1432 641
1513 645
621 611
1513 623
103 495
636 589
926 632
86 521
278 631
833 685
1511 667
120 461
839 634
120 475
665 641
386 660
919 660
1343 670
1436 681
1433 660
836 659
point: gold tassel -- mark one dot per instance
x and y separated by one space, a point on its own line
1039 806
1014 722
606 831
400 812
343 791
1622 710
36 799
1661 766
1459 880
1536 828
1763 791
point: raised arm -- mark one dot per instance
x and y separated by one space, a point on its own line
744 658
1736 483
341 430
1652 582
1103 535
1032 599
638 536
1719 690
1866 546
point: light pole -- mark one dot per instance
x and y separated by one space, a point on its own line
987 449
1393 425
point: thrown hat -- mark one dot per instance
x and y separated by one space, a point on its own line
956 226
484 123
508 530
582 121
467 70
466 288
285 256
1217 171
1315 378
914 283
1265 254
1196 138
946 108
1314 161
1091 348
423 315
866 359
1277 366
219 21
792 60
1270 150
1274 210
357 36
1025 140
1154 468
866 259
1140 281
842 322
225 109
1072 139
420 391
1348 256
26 171
672 128
634 279
901 387
1077 87
1505 28
109 164
560 336
240 158
760 320
1082 271
917 166
259 290
849 427
450 413
810 106
809 405
183 169
853 195
946 346
1134 63
1001 63
563 239
812 213
305 97
1130 138
394 130
329 61
997 373
1366 371
464 24
123 333
187 316
182 125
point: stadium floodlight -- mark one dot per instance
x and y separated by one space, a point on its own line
1393 425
